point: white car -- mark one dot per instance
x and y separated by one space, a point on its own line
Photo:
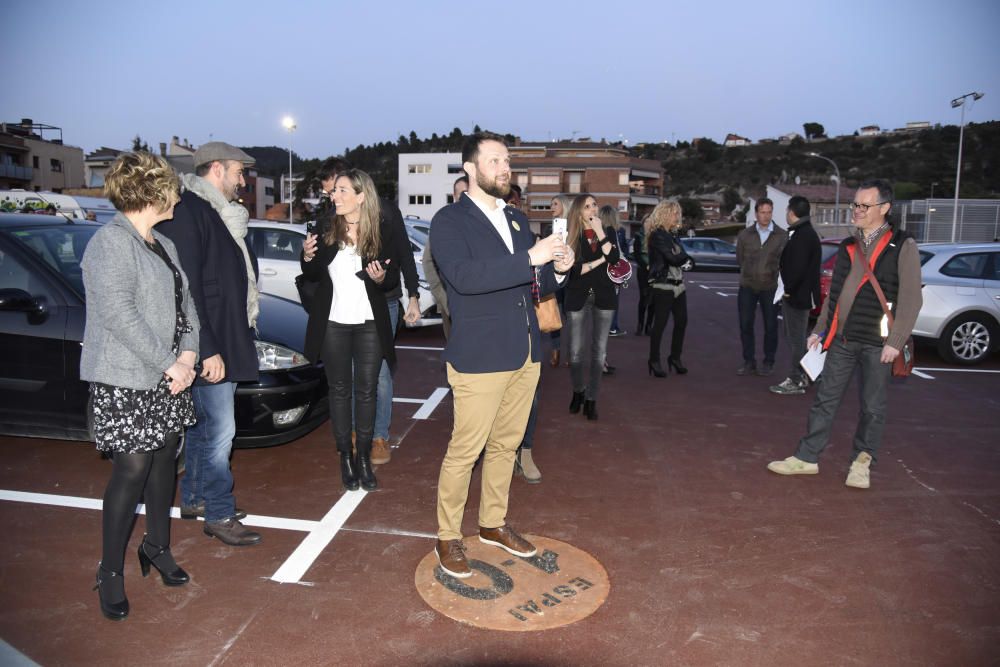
961 292
278 246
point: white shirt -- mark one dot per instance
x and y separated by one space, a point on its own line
350 298
499 220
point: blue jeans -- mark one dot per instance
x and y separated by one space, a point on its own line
207 446
383 397
747 300
600 323
842 358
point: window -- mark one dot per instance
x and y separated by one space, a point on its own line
994 274
541 205
55 164
419 168
455 169
545 179
34 161
965 266
420 200
574 180
623 205
520 179
450 199
268 191
623 178
276 244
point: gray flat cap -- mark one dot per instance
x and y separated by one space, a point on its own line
220 150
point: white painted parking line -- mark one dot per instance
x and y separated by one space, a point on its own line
431 403
722 294
922 375
956 370
295 566
418 347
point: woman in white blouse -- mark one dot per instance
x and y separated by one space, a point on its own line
349 326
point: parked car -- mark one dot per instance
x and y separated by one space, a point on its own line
828 248
42 317
961 290
278 245
709 253
419 225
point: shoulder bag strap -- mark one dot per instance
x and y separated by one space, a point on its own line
878 289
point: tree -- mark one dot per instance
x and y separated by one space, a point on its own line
691 209
813 130
139 145
730 200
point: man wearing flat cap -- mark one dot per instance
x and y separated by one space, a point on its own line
208 228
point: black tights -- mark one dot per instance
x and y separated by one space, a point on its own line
148 475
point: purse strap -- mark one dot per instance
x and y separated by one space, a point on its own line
878 289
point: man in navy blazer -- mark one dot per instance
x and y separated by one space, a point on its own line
494 271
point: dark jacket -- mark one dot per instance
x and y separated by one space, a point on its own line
759 263
579 285
217 273
402 251
319 315
664 251
800 266
489 288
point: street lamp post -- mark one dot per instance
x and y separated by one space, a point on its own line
960 102
836 169
289 124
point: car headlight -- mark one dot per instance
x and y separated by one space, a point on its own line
274 357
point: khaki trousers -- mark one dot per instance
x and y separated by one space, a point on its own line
491 411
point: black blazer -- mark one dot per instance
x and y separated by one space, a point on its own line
800 265
664 251
580 284
489 288
319 315
216 269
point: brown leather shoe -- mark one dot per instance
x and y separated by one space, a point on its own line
380 452
451 556
505 538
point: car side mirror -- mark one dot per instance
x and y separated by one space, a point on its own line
18 301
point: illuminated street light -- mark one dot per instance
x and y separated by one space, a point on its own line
960 102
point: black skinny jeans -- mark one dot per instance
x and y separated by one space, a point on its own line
665 303
352 357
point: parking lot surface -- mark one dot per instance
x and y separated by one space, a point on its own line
711 559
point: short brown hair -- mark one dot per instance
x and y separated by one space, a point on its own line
141 179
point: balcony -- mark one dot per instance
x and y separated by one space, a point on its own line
16 172
650 190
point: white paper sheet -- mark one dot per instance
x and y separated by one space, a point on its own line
812 362
780 292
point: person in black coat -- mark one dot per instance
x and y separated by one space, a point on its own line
589 289
349 327
666 281
799 269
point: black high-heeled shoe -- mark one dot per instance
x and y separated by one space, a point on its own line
655 369
348 472
574 405
177 577
365 473
111 584
590 409
675 363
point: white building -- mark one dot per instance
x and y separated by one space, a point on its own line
827 219
425 182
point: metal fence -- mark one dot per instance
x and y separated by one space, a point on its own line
931 220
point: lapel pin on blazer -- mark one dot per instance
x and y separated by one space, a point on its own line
517 227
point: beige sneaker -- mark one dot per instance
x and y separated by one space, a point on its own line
532 475
793 466
380 452
859 476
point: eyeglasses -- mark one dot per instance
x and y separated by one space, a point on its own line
855 206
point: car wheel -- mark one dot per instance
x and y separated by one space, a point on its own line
967 339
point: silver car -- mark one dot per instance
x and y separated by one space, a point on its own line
709 253
961 290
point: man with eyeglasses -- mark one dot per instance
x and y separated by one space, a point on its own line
855 333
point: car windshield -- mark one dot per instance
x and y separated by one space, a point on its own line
417 235
828 251
60 247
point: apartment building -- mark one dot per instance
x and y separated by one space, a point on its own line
33 157
425 182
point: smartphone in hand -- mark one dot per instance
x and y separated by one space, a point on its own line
311 228
559 227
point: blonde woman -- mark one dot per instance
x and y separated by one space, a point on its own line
349 327
140 345
666 280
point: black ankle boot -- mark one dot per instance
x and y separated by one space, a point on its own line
110 589
365 472
655 369
590 409
348 472
675 363
171 573
574 405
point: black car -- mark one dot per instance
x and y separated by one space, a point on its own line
42 316
709 253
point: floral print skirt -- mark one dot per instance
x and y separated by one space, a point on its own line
137 420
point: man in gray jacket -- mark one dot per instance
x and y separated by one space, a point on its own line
758 253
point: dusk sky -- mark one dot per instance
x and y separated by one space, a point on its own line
361 72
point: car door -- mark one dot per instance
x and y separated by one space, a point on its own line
992 282
277 253
725 254
33 362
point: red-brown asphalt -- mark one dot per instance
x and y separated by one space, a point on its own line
712 559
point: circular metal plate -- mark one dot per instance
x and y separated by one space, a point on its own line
558 586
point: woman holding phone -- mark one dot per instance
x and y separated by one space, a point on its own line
349 327
560 209
589 289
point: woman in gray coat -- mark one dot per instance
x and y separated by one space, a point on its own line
140 346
